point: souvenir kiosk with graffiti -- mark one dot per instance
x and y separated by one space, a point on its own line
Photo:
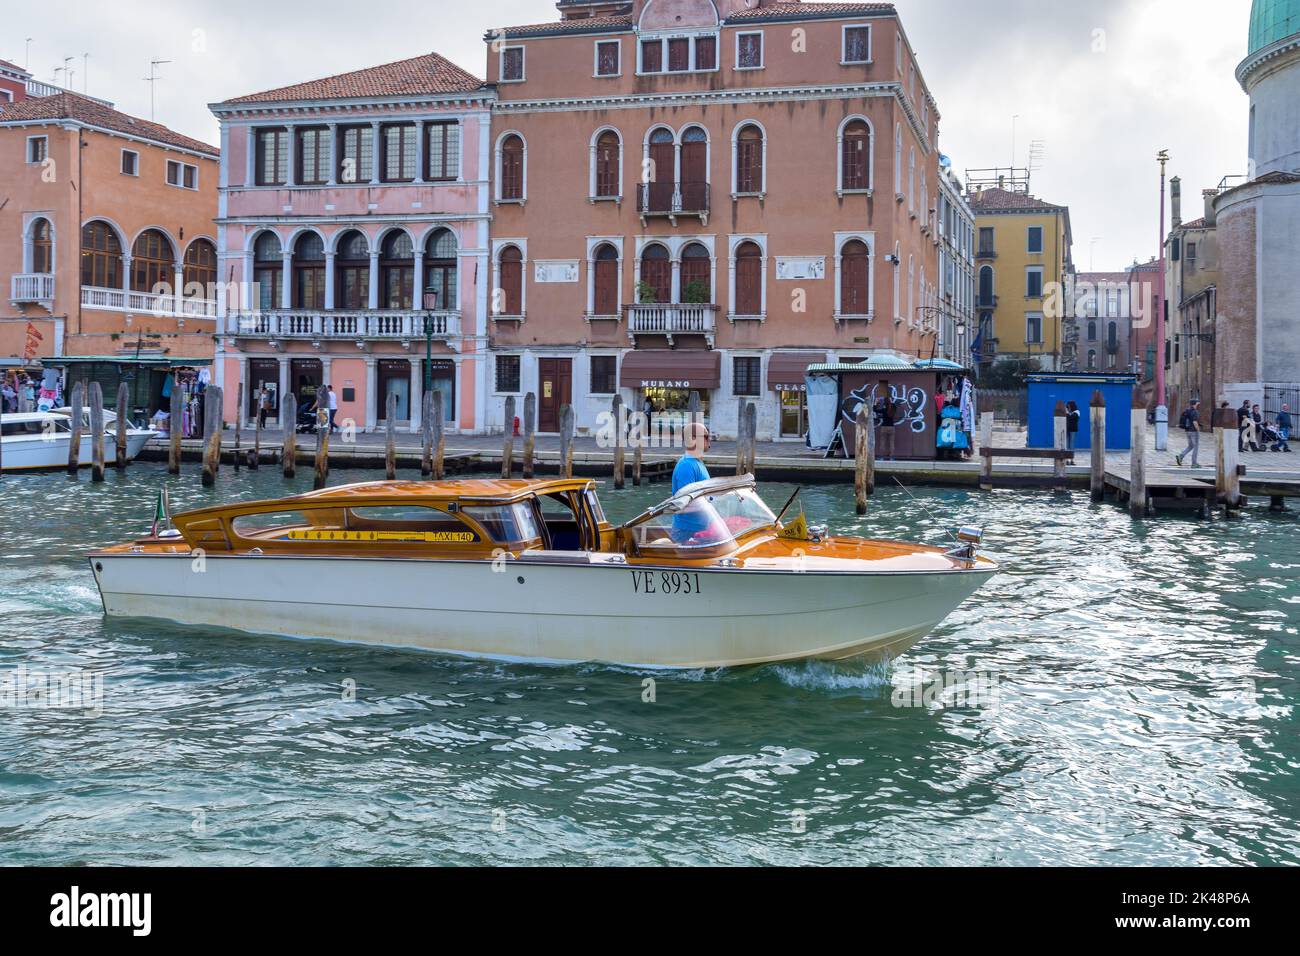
837 391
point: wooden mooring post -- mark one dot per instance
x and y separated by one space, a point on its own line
119 437
438 441
1060 439
508 440
1137 498
620 442
239 422
638 452
322 470
175 428
984 404
390 438
426 434
751 438
255 456
76 403
212 422
289 446
864 457
742 458
96 399
1227 470
530 435
566 441
1097 424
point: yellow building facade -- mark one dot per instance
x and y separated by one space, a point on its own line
1023 277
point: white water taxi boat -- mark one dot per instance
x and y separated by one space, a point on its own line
531 569
34 440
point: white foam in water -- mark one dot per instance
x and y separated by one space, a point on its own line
827 675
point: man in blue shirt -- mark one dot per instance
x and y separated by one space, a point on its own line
689 470
1284 427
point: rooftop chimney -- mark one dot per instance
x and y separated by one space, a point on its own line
1176 201
1210 195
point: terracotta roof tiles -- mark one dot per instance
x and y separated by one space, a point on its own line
428 74
70 106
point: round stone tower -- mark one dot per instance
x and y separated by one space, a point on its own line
1270 75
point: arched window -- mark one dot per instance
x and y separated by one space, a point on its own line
695 170
696 274
42 247
855 278
512 280
749 160
309 272
512 167
855 170
101 256
608 161
606 281
153 263
440 268
1092 358
396 271
1112 336
352 271
749 279
661 177
986 285
1092 331
200 269
268 270
656 275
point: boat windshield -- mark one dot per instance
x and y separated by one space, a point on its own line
707 522
506 524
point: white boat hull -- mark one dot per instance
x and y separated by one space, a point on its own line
31 452
543 610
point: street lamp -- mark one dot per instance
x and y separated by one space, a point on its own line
430 306
1162 408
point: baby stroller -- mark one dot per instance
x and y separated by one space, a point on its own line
305 423
1271 436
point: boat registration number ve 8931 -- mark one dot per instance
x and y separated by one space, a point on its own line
665 582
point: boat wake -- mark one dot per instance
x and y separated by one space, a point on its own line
836 676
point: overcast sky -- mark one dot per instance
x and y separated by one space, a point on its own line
1103 84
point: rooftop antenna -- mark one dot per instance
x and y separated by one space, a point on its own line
152 80
57 71
1013 139
85 72
27 55
68 72
1092 253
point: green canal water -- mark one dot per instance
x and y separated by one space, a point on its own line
1121 694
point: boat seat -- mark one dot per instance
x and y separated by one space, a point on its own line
556 557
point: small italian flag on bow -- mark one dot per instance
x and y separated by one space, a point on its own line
161 514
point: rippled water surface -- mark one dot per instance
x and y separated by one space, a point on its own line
1125 694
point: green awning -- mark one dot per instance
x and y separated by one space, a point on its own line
161 360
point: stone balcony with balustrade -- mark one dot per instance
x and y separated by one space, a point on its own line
37 287
152 303
672 319
360 327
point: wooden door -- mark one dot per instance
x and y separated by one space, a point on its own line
555 390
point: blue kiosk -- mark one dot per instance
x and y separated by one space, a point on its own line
1048 389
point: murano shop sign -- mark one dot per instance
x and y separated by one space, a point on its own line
662 383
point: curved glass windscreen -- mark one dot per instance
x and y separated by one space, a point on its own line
707 522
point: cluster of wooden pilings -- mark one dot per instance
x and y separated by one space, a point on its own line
90 395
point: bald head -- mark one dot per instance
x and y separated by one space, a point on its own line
696 438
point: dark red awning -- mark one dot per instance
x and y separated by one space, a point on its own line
671 368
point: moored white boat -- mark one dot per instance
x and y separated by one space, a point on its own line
532 570
36 440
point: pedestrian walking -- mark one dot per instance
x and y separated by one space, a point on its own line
1072 417
1283 430
1190 422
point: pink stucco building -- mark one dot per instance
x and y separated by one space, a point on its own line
706 196
353 221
